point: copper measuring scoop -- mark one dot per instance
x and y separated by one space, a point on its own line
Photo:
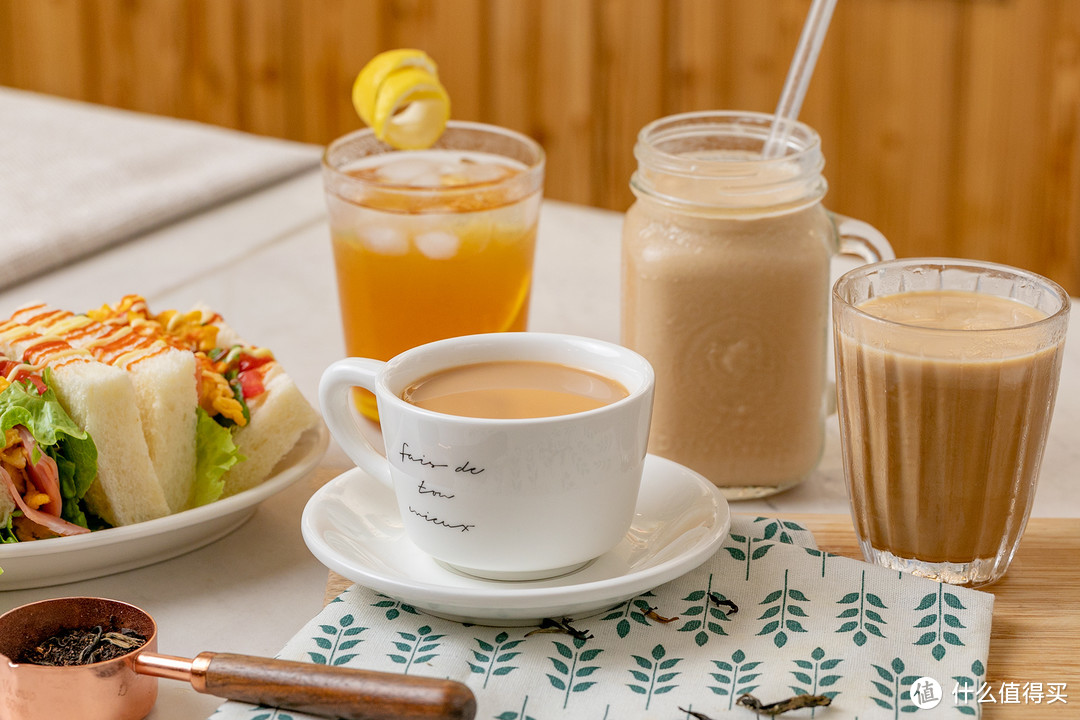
125 687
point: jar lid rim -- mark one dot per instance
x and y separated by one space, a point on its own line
803 144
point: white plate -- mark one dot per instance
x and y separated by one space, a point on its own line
352 526
68 559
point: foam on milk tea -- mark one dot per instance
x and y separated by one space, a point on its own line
513 390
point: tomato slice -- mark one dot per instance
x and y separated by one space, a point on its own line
22 375
251 384
249 362
25 375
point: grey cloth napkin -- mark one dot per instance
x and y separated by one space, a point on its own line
76 178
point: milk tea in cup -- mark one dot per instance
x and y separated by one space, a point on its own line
513 390
512 455
947 372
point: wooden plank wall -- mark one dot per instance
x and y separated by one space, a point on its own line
952 125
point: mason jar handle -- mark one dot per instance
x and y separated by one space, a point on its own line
335 389
862 240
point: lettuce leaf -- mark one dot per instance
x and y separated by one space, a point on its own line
57 435
7 533
20 404
215 453
76 463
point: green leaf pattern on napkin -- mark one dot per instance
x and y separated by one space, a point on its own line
634 609
393 608
783 606
967 690
807 623
779 530
493 658
271 714
415 648
735 677
656 675
942 619
821 555
704 615
746 552
813 676
334 639
519 714
573 665
862 616
892 693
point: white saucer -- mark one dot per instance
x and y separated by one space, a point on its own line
352 526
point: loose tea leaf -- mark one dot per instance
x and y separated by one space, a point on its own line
549 625
781 706
697 715
81 646
724 602
655 616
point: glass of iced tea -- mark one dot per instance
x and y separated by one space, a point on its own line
434 243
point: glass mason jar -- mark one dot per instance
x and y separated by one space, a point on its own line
725 290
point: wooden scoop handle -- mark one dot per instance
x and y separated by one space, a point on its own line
331 691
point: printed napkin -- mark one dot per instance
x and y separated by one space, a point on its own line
768 615
76 178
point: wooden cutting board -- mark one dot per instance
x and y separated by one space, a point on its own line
1035 637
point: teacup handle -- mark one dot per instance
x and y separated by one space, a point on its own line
334 390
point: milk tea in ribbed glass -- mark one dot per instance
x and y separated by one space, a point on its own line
947 374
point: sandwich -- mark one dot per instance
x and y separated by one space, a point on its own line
47 462
100 400
163 379
180 409
241 386
277 412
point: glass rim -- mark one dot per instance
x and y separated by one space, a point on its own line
944 263
751 124
531 170
734 181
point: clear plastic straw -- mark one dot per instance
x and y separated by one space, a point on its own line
798 77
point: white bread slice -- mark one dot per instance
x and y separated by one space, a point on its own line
278 417
101 399
165 388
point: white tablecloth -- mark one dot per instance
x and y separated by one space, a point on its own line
75 177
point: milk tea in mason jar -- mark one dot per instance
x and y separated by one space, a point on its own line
725 281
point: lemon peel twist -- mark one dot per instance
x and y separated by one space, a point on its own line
398 95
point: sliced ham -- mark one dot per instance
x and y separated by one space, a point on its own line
43 473
47 520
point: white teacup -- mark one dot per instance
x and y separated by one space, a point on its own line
505 499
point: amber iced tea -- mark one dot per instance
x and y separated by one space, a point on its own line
435 243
